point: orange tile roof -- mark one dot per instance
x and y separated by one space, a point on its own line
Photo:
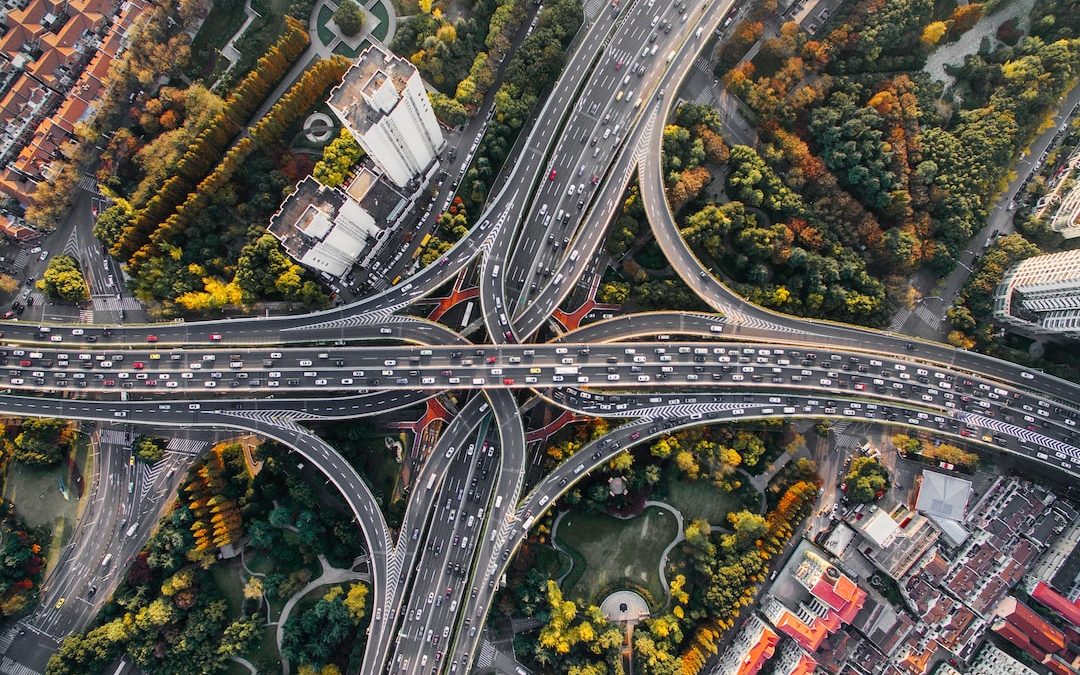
13 41
761 652
809 637
70 112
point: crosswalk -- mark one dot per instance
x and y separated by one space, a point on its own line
7 638
899 319
9 667
86 316
702 65
115 437
928 317
111 303
486 657
593 8
186 446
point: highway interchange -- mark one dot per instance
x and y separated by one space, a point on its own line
435 582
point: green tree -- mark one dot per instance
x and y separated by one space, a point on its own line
865 478
42 441
349 18
62 280
149 449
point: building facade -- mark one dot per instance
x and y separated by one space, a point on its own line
383 102
1041 295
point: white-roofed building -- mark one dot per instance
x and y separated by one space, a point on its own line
323 228
1041 295
383 103
943 496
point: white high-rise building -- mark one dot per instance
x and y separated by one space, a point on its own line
382 101
1041 295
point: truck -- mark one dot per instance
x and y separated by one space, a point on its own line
566 370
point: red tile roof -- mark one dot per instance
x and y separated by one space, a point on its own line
1070 611
759 653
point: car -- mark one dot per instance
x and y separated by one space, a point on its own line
151 338
618 65
551 176
1026 375
56 338
156 356
508 381
59 603
77 331
44 255
215 337
138 365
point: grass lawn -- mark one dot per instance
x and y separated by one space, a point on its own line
700 499
344 50
615 549
39 501
268 660
221 24
234 668
380 31
325 34
226 575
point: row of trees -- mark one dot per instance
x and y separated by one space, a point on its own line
200 159
191 225
534 67
935 451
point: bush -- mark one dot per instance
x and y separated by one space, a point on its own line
349 18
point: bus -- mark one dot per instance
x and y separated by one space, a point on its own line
431 481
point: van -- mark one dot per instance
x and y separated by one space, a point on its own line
106 560
131 530
670 56
495 272
558 279
653 50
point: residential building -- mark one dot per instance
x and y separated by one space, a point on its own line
1041 295
895 541
323 228
992 661
754 644
383 103
1023 627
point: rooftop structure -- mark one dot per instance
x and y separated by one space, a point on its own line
754 644
383 103
943 496
323 228
895 541
1020 625
1041 295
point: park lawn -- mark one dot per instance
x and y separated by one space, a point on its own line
615 550
380 31
699 499
268 656
38 500
221 24
234 668
226 575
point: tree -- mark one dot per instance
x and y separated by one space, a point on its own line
339 157
356 602
62 280
933 32
866 477
42 441
240 636
450 111
8 284
148 449
749 527
349 18
614 292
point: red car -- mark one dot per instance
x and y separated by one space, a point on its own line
138 365
490 359
110 383
151 338
508 381
215 337
551 176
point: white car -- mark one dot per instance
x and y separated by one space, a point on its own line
56 338
172 384
44 255
77 331
209 384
